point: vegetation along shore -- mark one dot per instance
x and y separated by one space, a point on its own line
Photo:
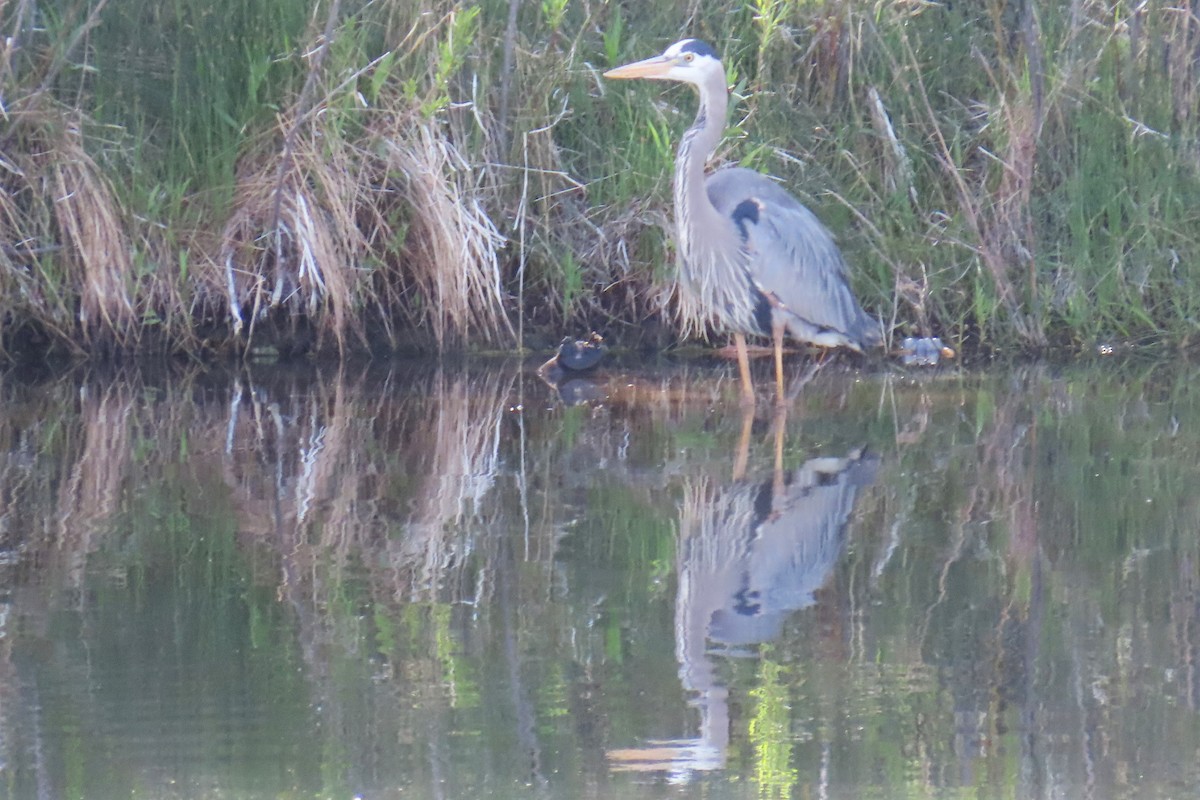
217 178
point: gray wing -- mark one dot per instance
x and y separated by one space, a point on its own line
793 260
794 548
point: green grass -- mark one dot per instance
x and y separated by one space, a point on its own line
1034 189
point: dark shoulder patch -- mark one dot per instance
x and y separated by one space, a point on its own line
699 48
745 212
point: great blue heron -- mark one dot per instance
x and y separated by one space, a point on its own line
753 259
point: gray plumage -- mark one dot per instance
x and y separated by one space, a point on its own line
753 259
756 552
792 258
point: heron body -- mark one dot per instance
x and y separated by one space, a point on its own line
753 259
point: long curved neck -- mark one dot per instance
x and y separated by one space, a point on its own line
697 144
713 281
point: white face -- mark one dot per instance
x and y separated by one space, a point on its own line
675 64
683 63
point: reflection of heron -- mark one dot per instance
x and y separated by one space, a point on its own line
758 551
749 555
753 259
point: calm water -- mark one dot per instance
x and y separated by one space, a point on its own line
425 582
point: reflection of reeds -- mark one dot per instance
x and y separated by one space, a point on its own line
65 459
386 480
91 491
379 486
461 449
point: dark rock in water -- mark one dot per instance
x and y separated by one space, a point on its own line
570 369
577 355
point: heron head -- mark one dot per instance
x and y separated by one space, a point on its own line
689 60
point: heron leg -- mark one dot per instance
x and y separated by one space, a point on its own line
780 425
739 342
742 458
777 336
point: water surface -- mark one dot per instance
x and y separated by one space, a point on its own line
426 581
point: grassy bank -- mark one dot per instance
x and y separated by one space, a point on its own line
437 175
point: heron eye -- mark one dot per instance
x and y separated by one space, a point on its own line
689 57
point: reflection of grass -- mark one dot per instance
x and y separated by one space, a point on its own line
698 439
770 731
346 531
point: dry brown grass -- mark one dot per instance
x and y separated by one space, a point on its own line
450 274
91 227
389 225
292 241
398 229
293 235
65 255
67 259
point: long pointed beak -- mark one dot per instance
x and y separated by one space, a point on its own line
655 67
